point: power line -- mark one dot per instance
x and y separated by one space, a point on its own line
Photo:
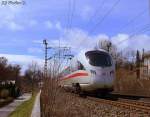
144 29
61 53
133 19
68 14
72 7
72 13
149 6
106 15
71 10
96 11
103 18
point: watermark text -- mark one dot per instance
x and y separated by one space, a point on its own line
10 2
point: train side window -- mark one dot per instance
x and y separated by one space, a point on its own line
80 66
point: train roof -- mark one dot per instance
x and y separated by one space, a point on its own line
81 54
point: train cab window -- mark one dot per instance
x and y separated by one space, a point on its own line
66 71
100 59
80 66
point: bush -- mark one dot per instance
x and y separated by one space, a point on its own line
5 101
4 93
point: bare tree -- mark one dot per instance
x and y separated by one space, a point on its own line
8 71
108 46
33 74
138 64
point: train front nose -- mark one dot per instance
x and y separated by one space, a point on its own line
101 68
103 78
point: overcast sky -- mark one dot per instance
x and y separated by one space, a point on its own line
76 23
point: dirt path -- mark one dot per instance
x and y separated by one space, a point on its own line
5 111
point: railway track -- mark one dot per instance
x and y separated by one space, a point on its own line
136 102
128 104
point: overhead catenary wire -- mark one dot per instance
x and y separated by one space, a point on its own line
68 24
105 16
68 15
102 19
58 54
133 20
149 6
132 37
96 12
144 29
67 27
125 26
70 20
72 8
72 13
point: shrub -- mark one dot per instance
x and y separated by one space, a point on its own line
4 93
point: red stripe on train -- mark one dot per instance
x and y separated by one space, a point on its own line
75 75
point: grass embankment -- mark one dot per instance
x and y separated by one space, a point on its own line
25 109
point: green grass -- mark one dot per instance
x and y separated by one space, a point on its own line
25 109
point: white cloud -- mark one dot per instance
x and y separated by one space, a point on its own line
48 24
8 16
120 40
138 42
86 12
14 26
79 39
14 17
33 50
23 60
33 22
58 26
51 25
26 59
36 41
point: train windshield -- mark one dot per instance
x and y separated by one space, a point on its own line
99 59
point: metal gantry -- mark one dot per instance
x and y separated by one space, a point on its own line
61 53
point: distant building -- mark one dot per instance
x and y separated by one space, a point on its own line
145 66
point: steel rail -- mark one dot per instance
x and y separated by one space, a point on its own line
126 105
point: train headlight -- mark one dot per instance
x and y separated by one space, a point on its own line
93 72
112 72
104 74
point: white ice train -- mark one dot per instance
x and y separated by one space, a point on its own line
90 71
